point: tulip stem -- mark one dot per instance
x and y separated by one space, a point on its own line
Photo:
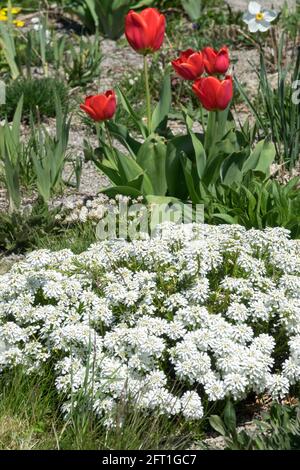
148 96
97 126
109 139
209 139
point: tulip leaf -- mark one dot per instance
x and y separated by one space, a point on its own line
151 199
112 192
152 158
228 219
140 4
193 8
161 112
92 8
121 133
126 105
128 167
212 169
112 174
130 170
189 122
138 182
231 168
261 158
189 178
200 154
174 172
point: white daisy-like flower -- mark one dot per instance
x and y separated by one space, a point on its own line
258 18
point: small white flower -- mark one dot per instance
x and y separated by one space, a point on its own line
191 406
35 20
127 321
258 18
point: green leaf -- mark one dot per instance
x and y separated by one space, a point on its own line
189 122
122 134
152 159
252 201
126 105
9 50
16 124
129 169
174 172
261 158
190 178
193 8
231 168
244 95
124 190
200 154
228 219
160 114
140 4
112 174
92 8
230 417
217 424
212 169
151 199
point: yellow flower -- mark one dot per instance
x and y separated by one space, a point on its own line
3 18
19 23
13 10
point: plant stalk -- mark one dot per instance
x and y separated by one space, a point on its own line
148 96
109 139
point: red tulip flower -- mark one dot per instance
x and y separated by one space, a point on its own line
145 31
214 94
189 65
216 61
100 107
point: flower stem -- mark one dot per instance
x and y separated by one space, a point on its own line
109 139
97 127
209 138
148 97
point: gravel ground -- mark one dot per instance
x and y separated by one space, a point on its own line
242 4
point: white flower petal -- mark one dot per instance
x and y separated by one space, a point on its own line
264 26
254 8
270 15
248 17
253 26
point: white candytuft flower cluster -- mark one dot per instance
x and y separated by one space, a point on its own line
189 317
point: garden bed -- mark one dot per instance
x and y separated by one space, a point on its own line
119 328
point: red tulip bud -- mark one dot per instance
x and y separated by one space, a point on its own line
100 107
145 31
189 65
216 61
214 94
